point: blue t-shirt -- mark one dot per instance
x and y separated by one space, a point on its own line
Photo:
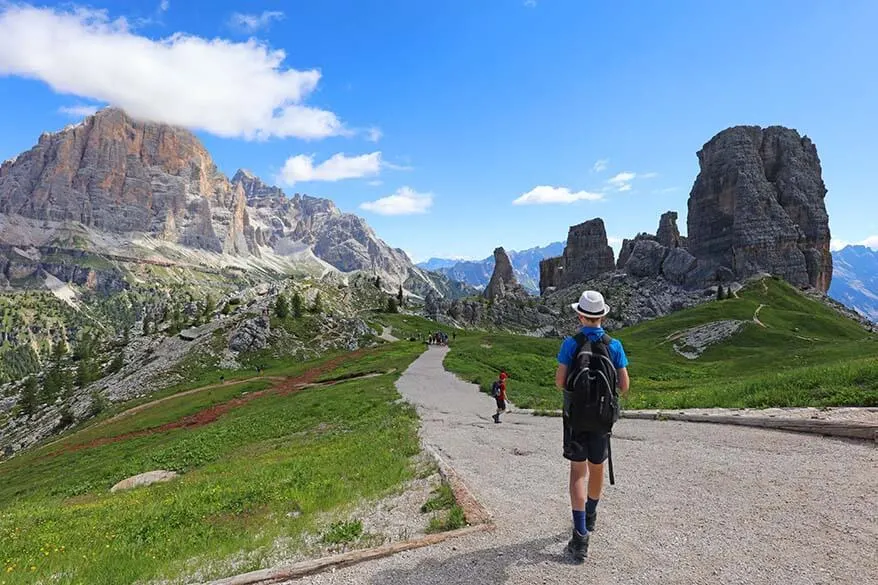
617 352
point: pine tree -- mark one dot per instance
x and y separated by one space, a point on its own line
147 326
117 364
719 293
52 385
297 305
391 305
400 298
377 282
317 307
209 308
28 399
226 309
281 309
59 350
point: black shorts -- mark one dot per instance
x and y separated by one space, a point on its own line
501 404
585 446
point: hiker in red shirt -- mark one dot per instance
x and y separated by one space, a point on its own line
498 391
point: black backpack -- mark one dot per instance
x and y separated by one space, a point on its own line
591 402
495 389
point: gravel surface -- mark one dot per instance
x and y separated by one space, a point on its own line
692 503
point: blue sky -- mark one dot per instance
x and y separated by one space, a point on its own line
439 115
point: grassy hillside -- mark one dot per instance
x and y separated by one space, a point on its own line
802 354
261 460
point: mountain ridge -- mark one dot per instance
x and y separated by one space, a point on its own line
140 189
855 280
477 273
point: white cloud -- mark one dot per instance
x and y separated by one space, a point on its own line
622 178
600 165
78 111
406 201
622 181
544 194
375 183
250 23
225 88
870 242
165 4
374 134
336 168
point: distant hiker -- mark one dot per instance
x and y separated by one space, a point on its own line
498 391
591 367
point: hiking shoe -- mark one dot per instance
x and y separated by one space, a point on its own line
496 417
578 546
590 519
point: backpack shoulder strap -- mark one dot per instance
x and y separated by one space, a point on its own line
606 340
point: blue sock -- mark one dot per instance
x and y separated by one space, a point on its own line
579 521
591 506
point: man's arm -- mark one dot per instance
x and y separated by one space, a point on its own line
561 377
623 380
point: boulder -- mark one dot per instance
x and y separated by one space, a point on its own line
677 265
148 478
646 259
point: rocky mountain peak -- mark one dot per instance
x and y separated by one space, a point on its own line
254 187
757 205
586 255
668 234
503 279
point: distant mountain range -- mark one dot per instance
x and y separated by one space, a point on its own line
855 280
526 265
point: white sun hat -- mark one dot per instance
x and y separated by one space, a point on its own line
591 304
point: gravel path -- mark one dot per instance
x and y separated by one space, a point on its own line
692 503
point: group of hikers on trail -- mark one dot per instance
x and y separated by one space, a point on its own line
438 338
592 371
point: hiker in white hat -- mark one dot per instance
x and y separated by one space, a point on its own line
591 367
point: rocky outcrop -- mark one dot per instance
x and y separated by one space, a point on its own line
668 235
251 335
503 282
661 255
758 206
550 273
587 253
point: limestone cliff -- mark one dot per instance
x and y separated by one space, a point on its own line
757 205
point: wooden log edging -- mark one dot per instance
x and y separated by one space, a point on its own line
848 430
478 518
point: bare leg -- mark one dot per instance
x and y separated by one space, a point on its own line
578 476
595 481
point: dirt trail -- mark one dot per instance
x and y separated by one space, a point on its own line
144 406
756 316
692 504
210 414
